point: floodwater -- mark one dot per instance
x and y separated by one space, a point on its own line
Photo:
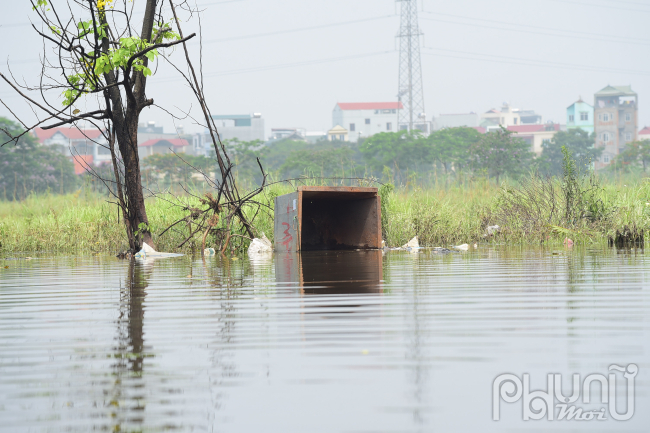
319 342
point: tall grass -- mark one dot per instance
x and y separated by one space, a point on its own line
85 223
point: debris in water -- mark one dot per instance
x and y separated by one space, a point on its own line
260 245
440 250
413 243
149 253
463 247
492 230
629 237
209 252
568 242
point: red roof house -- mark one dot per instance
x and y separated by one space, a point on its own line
370 105
644 134
70 133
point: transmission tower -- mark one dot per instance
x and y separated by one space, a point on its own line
410 91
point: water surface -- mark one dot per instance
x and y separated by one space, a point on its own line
318 342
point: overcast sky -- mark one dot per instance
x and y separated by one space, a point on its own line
477 54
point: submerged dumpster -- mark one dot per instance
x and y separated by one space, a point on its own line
328 218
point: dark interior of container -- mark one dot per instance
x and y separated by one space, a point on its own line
333 220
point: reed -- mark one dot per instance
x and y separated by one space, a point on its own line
85 223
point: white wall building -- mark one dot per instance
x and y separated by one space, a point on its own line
243 127
363 119
77 143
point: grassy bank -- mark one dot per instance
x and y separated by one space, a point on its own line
85 223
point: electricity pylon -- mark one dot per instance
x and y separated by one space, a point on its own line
410 91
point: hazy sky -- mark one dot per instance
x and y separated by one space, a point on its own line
533 54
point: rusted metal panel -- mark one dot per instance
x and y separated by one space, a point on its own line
286 236
328 218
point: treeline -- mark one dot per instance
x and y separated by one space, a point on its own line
402 158
27 167
452 154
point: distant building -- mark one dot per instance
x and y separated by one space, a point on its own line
528 117
509 116
455 120
338 133
290 133
536 135
83 146
615 121
243 127
644 134
580 115
505 117
315 136
162 146
363 119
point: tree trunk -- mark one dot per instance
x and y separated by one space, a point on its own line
126 131
137 223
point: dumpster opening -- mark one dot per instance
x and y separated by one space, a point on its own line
339 220
327 218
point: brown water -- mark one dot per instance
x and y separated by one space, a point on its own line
323 342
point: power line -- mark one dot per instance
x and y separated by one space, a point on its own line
531 62
600 35
531 31
262 68
198 6
301 29
602 6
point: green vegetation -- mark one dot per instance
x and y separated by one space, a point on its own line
538 210
445 188
27 167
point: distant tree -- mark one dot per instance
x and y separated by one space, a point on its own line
580 146
451 146
500 153
636 153
244 154
402 151
174 168
323 163
31 167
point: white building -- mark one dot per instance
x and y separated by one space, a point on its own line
243 127
84 147
363 119
509 116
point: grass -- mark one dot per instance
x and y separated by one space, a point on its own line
85 223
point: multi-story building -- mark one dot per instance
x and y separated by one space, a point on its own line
509 116
363 119
580 115
536 135
615 121
243 127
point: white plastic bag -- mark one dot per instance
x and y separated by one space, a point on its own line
260 245
149 253
413 243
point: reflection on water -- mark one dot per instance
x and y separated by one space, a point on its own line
319 341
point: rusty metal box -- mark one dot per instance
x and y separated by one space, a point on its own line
328 218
